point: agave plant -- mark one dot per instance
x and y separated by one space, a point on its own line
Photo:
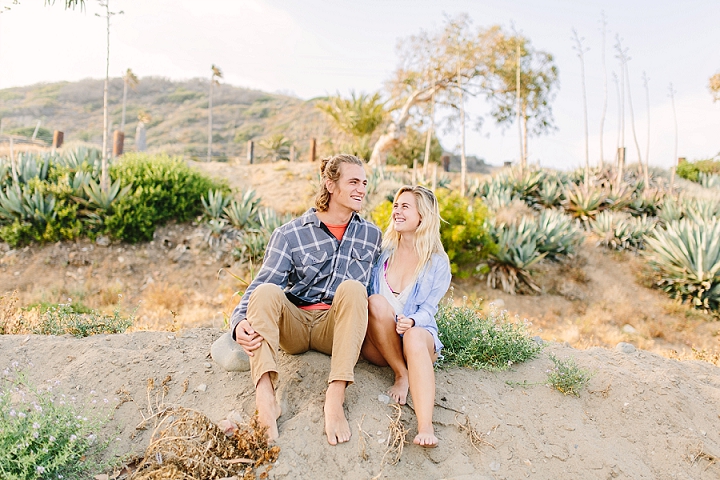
269 220
11 204
214 204
620 231
103 200
584 202
697 208
670 209
39 207
550 193
647 202
82 159
557 234
509 266
31 166
709 180
243 213
499 197
252 247
618 198
686 256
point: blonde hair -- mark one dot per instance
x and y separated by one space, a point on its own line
427 235
330 170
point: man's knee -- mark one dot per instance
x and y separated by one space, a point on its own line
267 291
353 289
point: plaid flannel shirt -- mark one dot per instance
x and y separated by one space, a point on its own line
309 263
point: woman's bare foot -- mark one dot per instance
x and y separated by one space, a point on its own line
399 390
426 438
268 410
337 428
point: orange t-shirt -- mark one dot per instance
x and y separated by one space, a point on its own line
338 231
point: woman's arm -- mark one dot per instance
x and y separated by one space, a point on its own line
439 276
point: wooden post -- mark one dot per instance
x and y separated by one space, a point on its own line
250 151
682 160
58 138
313 149
445 162
118 143
621 157
292 153
13 165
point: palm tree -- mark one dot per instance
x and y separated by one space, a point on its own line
278 147
216 74
129 80
358 116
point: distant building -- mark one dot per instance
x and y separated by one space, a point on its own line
474 164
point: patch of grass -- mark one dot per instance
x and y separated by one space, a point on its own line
62 319
479 340
44 434
567 377
75 307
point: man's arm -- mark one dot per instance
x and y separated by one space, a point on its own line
276 268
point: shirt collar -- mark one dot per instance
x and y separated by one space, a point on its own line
311 217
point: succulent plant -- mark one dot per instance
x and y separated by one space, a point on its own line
214 204
243 213
584 202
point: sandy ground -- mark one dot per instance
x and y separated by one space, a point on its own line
643 416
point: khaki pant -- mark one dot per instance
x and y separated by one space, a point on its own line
338 332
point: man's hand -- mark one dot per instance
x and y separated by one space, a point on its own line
247 338
403 324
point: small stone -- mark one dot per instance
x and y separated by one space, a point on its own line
207 365
494 466
624 347
201 388
383 399
629 329
102 241
177 253
121 259
227 353
499 303
538 340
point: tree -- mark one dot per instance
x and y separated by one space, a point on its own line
216 74
104 176
432 64
538 85
277 146
358 116
129 80
714 87
605 91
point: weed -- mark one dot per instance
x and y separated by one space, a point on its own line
62 319
488 341
567 377
44 434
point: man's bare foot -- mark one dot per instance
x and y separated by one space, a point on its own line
337 428
399 390
268 410
426 438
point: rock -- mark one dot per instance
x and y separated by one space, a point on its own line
383 399
538 340
629 329
102 241
201 388
229 355
494 466
625 347
499 303
177 253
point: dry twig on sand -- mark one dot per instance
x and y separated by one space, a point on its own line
699 453
396 438
362 440
476 439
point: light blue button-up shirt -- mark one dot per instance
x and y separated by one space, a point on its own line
430 287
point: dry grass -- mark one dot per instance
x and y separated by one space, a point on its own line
396 439
476 439
698 453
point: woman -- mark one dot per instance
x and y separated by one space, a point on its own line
407 283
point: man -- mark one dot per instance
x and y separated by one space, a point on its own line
311 294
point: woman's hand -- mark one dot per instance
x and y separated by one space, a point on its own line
403 324
248 338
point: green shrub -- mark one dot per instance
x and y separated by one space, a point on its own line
464 232
44 436
164 188
691 170
382 214
567 377
478 340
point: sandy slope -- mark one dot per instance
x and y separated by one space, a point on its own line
643 416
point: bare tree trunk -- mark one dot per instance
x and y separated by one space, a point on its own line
428 141
396 130
605 92
209 152
463 159
647 145
619 123
517 100
122 121
104 178
672 101
581 55
524 135
632 120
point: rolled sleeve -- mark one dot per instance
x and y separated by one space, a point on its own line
435 284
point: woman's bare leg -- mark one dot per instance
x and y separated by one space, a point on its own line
383 346
419 349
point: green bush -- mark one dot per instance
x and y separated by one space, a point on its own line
567 377
44 436
164 188
464 232
691 170
61 319
478 340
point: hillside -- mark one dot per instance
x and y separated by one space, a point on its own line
178 111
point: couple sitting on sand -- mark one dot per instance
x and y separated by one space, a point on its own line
312 294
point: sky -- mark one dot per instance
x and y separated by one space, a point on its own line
313 48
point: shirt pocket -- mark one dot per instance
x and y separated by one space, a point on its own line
308 264
360 264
